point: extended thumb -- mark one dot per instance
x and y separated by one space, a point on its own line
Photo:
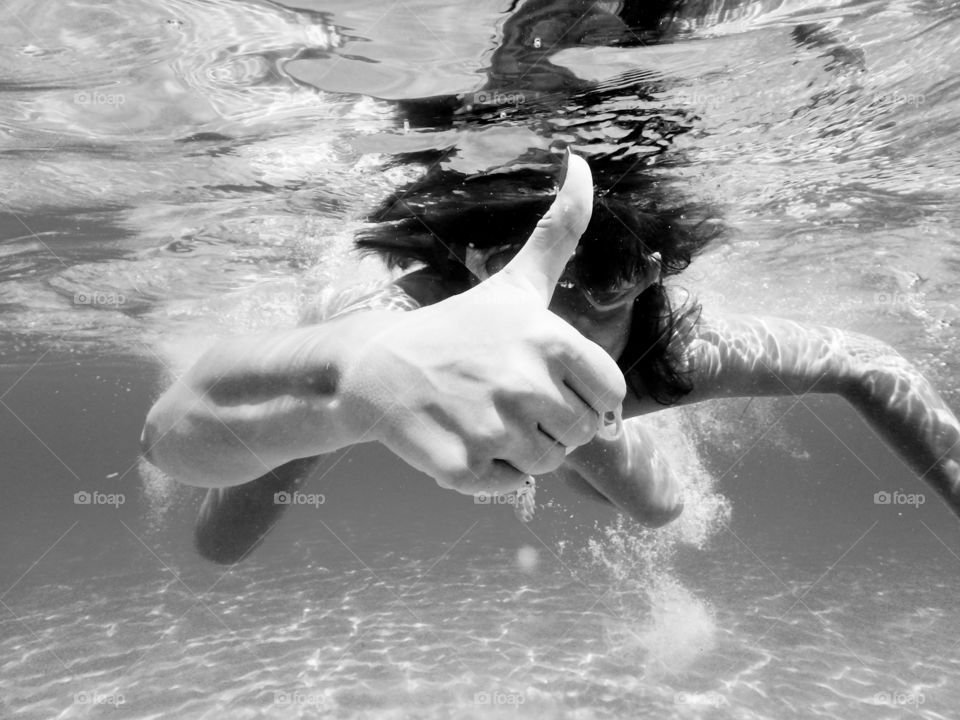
545 254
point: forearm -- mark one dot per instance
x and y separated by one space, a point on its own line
253 403
904 409
745 356
631 472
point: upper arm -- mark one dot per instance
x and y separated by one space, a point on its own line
743 355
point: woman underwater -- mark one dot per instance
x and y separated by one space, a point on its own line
482 386
462 370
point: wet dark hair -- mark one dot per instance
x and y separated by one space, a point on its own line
432 222
618 122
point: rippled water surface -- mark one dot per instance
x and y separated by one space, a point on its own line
176 170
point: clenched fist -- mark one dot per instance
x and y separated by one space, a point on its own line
487 387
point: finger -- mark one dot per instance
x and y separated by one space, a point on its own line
541 260
537 454
573 422
587 369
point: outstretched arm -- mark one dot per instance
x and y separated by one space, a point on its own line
251 404
478 391
733 355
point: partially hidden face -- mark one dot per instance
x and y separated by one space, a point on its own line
602 315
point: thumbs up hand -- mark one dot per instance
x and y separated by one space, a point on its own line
487 387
